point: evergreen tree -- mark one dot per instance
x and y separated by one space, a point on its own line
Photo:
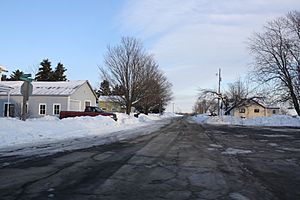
59 73
16 75
104 89
4 78
45 72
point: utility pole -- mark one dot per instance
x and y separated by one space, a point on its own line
219 91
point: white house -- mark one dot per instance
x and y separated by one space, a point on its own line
47 98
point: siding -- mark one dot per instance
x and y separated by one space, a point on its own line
249 111
82 94
110 106
35 101
16 100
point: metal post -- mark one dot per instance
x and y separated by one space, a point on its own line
25 99
8 106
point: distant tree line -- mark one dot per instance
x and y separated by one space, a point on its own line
134 75
45 73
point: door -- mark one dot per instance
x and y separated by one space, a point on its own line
11 110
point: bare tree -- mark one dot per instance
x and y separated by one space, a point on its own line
211 97
276 54
123 66
127 66
237 91
156 89
202 106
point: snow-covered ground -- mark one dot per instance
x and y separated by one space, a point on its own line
15 133
275 120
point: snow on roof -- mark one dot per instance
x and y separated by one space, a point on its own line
111 98
4 88
60 88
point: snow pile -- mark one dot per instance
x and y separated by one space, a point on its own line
15 132
275 120
201 118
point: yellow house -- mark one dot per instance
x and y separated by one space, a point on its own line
249 108
110 103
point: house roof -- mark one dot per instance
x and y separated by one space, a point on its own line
4 88
59 88
112 98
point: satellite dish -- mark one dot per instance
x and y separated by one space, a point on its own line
2 69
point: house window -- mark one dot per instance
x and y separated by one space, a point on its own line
242 110
56 109
274 111
256 110
42 109
87 103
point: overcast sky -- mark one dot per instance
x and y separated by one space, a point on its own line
190 39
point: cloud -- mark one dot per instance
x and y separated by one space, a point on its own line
192 39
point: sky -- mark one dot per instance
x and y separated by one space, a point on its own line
190 39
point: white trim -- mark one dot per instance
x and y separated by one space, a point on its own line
40 108
53 107
69 102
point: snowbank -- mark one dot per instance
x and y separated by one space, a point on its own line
15 132
275 120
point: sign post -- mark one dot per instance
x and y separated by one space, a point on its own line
26 91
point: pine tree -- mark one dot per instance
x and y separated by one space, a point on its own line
16 75
4 78
58 74
45 72
104 89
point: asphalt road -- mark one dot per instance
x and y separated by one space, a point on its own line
183 160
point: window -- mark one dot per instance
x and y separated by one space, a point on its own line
42 109
274 111
242 110
56 109
87 103
256 110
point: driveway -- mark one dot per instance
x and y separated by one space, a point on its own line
182 160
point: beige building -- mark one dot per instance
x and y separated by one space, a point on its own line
249 108
111 103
